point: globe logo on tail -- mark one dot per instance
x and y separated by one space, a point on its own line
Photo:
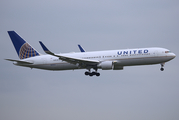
27 51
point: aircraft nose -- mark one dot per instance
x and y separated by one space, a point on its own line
173 55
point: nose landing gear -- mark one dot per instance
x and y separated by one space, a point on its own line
162 66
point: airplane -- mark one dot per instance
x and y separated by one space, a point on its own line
105 60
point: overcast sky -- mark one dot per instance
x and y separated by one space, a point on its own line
136 93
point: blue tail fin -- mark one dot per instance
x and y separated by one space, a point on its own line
23 49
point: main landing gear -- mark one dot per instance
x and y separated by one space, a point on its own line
162 65
92 73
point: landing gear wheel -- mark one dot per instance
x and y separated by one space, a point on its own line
162 69
97 74
162 65
86 73
90 74
93 73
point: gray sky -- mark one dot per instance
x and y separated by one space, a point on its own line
140 92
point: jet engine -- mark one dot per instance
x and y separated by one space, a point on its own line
106 65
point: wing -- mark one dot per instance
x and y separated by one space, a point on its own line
19 61
72 60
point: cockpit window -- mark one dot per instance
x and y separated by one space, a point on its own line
167 51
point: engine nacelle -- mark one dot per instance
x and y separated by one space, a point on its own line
106 65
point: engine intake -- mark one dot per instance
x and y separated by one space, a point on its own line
106 65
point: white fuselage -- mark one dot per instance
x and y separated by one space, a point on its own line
120 58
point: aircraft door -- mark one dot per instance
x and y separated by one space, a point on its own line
44 61
155 53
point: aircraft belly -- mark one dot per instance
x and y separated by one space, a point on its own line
65 66
142 61
61 66
129 62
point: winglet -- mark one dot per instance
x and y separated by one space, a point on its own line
81 48
45 48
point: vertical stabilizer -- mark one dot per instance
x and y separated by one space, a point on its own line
23 49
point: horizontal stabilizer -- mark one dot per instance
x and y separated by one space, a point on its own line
20 62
